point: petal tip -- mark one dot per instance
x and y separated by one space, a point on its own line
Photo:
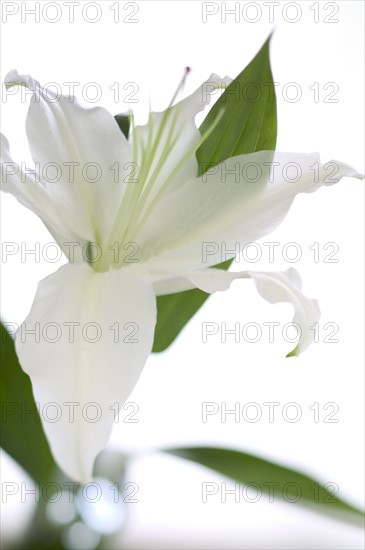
13 78
294 352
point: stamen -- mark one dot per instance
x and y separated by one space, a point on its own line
121 215
135 197
180 86
173 173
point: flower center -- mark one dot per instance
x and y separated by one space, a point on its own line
150 154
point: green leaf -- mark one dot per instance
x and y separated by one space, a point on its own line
270 478
123 122
175 310
21 434
247 125
246 114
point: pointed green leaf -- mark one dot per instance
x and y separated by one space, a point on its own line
272 479
248 124
123 123
175 310
246 114
21 434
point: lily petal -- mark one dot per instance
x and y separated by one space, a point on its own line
273 287
82 157
239 201
24 187
94 332
28 191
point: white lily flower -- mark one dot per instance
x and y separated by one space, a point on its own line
160 219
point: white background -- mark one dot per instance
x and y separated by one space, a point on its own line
153 53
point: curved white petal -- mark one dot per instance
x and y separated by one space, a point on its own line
94 332
286 287
28 191
273 287
176 125
25 188
81 155
211 218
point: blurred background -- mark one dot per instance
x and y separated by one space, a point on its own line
134 53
